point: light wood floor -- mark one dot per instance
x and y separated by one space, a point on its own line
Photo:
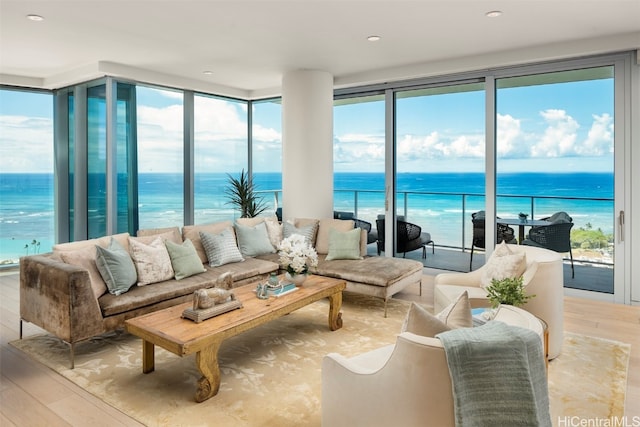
33 395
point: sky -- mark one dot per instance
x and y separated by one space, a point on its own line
546 128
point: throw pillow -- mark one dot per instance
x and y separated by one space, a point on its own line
308 231
116 267
221 248
503 263
192 232
457 315
184 259
253 241
344 245
86 258
324 226
275 232
152 261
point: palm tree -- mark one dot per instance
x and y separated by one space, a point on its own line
242 195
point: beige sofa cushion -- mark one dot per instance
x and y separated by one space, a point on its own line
86 258
170 233
192 232
122 238
322 238
83 254
376 271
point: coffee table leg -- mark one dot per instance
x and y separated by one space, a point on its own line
335 317
207 363
148 357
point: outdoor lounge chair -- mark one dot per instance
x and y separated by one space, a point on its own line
503 232
409 237
555 236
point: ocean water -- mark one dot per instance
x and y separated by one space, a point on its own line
441 203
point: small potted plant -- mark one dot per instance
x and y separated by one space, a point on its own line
509 291
523 216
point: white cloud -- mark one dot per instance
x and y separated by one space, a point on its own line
599 140
559 137
22 137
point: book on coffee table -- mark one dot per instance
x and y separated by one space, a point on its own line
281 290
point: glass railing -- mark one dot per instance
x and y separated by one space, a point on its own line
447 216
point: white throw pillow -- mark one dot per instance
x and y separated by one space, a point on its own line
503 263
457 315
275 231
152 261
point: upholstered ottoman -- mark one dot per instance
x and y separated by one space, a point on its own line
376 276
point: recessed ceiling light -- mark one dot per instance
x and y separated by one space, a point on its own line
207 72
32 17
373 38
493 14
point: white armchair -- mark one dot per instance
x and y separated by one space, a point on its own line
403 384
543 277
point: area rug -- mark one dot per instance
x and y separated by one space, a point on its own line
271 376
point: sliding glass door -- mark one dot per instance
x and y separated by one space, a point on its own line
555 153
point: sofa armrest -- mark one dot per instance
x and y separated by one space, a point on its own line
471 279
58 297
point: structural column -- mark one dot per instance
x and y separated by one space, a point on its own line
307 144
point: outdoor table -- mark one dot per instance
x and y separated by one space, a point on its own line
522 224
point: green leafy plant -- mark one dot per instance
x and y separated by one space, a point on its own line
507 291
242 195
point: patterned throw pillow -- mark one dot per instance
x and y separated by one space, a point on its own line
221 248
503 263
184 259
457 315
116 267
308 231
152 261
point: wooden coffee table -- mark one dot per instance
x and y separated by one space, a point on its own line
170 331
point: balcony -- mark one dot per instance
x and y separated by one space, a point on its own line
447 216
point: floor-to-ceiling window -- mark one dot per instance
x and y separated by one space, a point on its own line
26 174
266 151
555 152
220 149
440 159
359 156
160 157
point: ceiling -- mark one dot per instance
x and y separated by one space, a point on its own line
248 45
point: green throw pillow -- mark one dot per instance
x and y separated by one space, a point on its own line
184 259
116 267
344 244
253 241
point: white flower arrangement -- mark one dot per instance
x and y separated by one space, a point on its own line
297 255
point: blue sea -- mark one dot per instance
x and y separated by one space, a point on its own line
440 203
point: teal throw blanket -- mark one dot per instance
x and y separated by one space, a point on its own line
498 375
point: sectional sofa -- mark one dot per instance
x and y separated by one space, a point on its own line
70 291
